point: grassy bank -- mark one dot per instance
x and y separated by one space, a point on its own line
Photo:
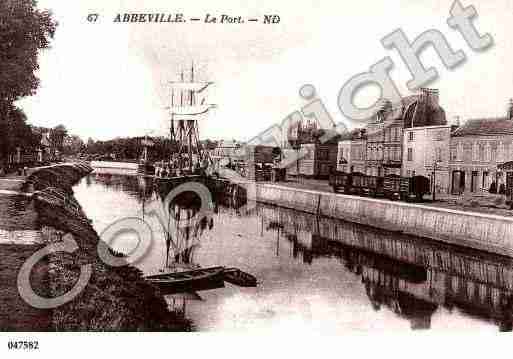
115 298
15 314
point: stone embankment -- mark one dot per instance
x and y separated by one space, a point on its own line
476 230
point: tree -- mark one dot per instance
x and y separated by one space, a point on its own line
57 135
24 30
17 132
73 145
210 144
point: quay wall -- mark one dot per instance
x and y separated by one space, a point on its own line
114 165
480 231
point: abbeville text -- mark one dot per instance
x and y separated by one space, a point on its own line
156 17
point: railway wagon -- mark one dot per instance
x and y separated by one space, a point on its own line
341 182
258 161
392 187
373 185
358 183
396 187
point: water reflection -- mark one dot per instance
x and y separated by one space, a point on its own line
180 225
412 277
314 272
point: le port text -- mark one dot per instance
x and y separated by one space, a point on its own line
171 18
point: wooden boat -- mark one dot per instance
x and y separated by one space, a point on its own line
240 278
187 281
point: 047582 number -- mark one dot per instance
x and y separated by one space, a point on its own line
22 345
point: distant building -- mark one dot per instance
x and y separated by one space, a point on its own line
426 153
318 161
228 150
352 149
476 149
374 147
43 151
385 133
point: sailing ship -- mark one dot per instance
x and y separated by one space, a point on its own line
188 107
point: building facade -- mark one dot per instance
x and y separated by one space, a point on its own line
476 149
385 133
426 153
352 150
318 160
374 147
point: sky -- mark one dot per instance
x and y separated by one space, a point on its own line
106 79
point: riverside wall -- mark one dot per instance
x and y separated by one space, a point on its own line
480 231
115 298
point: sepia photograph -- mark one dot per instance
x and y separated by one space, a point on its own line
255 168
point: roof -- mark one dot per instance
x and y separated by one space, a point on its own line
354 134
413 111
485 127
227 144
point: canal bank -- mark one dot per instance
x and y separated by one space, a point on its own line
114 299
475 230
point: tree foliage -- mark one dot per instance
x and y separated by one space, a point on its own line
57 135
24 31
131 148
19 134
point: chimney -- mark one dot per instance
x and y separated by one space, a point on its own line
385 106
510 109
456 123
431 96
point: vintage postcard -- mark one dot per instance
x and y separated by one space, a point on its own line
255 167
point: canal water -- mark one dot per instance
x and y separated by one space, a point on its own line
315 274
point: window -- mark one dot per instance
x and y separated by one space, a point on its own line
481 153
410 136
459 152
410 153
438 136
493 153
358 154
438 155
454 152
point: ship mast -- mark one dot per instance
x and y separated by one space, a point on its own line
184 117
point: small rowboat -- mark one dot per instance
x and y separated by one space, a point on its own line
191 280
240 278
